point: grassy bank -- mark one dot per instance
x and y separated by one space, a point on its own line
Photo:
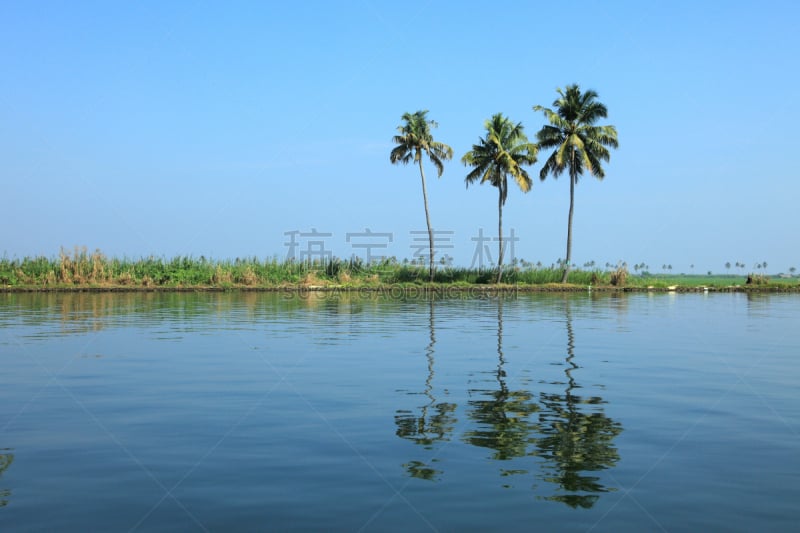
80 269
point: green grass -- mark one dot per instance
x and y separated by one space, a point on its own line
80 269
713 280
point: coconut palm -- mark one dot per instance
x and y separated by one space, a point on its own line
414 140
501 153
577 143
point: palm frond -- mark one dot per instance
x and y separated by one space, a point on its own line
595 167
523 179
400 154
475 174
551 167
607 136
596 148
437 162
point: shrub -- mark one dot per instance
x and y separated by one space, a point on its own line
757 279
619 276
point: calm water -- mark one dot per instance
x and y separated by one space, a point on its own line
342 413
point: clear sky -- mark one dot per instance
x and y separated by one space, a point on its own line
199 128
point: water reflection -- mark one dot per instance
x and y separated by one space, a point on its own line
576 437
553 435
503 416
5 461
759 305
569 433
435 421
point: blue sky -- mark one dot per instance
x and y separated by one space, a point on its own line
212 129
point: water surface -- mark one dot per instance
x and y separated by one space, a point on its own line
336 412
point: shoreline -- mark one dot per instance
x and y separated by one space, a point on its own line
403 289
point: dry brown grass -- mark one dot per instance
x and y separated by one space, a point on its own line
619 276
221 276
311 279
249 277
80 267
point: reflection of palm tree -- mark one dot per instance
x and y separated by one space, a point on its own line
502 415
574 442
436 420
5 461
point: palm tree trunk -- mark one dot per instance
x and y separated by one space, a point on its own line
500 235
427 216
569 227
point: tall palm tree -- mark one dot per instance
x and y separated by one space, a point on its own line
413 140
577 142
501 153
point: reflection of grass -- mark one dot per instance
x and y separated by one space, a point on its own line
5 461
81 269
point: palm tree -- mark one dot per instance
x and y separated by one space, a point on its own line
413 140
577 143
501 153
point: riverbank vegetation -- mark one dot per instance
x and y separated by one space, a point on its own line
79 269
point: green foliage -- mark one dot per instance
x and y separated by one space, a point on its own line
503 152
414 139
578 144
82 269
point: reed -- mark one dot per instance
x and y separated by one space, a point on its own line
79 268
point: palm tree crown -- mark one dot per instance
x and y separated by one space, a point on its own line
578 144
501 153
414 139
